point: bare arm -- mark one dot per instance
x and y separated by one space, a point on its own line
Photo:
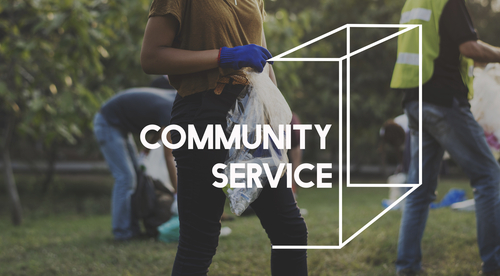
160 58
480 51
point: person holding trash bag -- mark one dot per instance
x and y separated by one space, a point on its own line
203 46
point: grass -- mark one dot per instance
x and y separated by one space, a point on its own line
67 232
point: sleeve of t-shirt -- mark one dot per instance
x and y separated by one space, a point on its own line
164 7
457 23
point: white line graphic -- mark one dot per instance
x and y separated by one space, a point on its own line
403 29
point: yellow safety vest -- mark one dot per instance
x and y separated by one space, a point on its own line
426 13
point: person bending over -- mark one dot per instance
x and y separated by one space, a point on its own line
127 113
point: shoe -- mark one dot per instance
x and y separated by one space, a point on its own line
465 206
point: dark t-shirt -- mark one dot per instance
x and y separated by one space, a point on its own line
133 109
455 28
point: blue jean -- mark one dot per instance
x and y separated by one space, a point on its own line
455 130
121 155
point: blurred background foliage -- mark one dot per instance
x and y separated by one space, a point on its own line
311 88
61 59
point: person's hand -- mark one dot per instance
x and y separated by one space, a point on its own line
251 55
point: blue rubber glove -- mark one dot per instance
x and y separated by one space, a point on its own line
251 55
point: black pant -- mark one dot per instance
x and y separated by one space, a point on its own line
201 204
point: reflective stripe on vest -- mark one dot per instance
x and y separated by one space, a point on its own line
416 14
408 58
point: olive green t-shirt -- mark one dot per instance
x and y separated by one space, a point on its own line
207 25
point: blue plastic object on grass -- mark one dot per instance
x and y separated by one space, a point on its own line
453 196
169 231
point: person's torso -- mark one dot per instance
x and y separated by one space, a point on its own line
443 66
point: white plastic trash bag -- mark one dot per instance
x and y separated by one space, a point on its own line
156 166
259 103
486 102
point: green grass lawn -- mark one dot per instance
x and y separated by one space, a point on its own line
67 232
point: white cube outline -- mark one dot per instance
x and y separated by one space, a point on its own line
404 28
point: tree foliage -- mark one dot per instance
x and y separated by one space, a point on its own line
312 87
60 59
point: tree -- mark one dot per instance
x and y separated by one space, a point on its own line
16 210
61 59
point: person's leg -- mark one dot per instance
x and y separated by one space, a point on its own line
132 151
416 208
113 145
280 217
200 206
200 203
466 143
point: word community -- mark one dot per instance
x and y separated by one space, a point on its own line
214 136
252 172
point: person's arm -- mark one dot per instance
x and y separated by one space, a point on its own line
169 160
457 24
480 51
159 57
271 71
